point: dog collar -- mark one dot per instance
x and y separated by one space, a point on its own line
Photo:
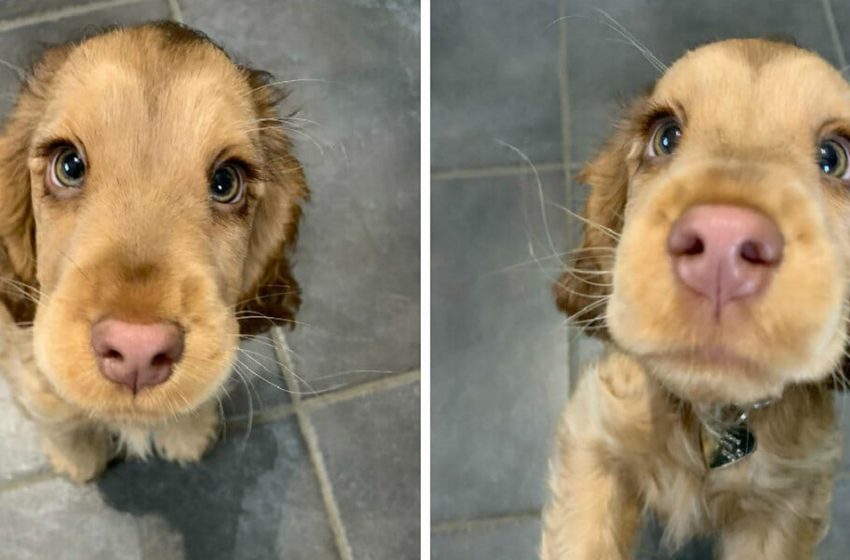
725 438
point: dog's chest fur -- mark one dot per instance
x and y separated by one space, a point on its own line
653 439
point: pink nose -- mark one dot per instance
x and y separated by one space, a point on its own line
136 355
724 252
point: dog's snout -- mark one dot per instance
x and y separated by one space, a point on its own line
724 252
136 355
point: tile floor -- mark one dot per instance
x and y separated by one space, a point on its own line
502 359
328 467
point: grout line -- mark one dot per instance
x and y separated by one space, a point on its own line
361 389
833 31
312 442
496 171
566 146
61 13
468 525
176 13
40 474
280 411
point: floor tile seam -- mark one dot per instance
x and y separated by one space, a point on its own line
483 523
311 441
50 16
493 172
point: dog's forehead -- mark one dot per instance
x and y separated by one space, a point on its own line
191 95
755 85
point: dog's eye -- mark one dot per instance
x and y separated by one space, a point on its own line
833 158
665 138
227 185
68 168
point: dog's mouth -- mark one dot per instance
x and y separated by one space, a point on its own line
703 358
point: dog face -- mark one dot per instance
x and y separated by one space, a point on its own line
153 196
717 249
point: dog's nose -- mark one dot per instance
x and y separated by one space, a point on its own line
724 252
136 355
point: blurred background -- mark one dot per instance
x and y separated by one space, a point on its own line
325 467
521 91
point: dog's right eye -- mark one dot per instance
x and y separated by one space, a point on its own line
833 158
665 139
68 169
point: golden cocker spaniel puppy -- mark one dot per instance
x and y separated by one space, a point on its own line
715 265
148 202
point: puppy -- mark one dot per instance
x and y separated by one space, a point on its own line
715 266
149 200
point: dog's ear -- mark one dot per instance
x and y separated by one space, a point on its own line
271 295
583 288
17 225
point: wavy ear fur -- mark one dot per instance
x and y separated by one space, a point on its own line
17 225
271 296
582 287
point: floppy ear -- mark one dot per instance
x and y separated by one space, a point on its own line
582 287
271 295
17 225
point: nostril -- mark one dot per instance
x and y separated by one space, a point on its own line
162 360
685 244
758 253
751 252
112 354
695 246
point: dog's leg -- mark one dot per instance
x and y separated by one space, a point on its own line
767 537
80 452
594 511
593 514
186 439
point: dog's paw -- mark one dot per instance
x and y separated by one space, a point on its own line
188 439
79 460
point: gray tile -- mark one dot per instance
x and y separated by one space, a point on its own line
604 70
358 255
254 497
19 443
494 76
371 449
499 369
502 541
23 46
10 9
56 519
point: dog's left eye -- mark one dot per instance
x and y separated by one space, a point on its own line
227 185
68 168
665 139
833 158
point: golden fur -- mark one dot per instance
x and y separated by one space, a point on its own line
752 114
153 108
